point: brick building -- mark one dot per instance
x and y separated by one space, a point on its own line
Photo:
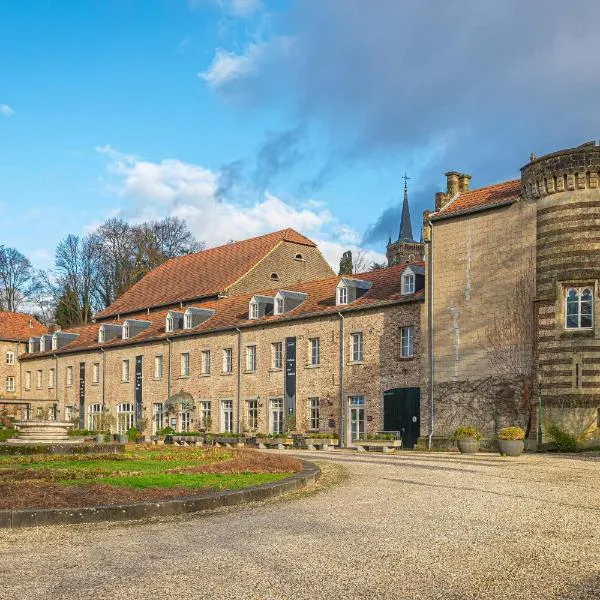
511 295
255 336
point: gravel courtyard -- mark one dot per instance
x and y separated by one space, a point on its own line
411 526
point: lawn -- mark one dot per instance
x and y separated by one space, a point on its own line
140 473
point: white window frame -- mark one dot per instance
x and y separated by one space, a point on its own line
408 283
276 415
185 420
579 291
27 380
96 372
39 382
69 376
227 360
342 295
205 362
169 324
205 412
279 307
158 417
51 377
184 364
315 351
126 331
94 416
101 335
253 311
125 417
253 414
158 366
10 383
357 346
188 322
277 355
10 358
125 370
227 416
314 413
407 342
69 412
251 358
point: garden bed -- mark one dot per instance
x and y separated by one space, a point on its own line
138 475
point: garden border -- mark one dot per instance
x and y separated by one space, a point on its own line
40 517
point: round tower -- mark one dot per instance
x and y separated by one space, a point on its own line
566 188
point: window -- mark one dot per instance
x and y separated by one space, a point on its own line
157 417
250 358
277 355
27 380
96 373
124 417
101 335
298 257
357 347
94 416
315 351
279 307
169 324
253 310
54 343
579 313
406 342
274 277
39 379
276 424
253 414
126 331
10 384
125 370
69 413
408 283
69 376
158 366
185 364
227 409
342 295
51 378
314 413
10 358
205 362
188 321
205 418
185 420
228 360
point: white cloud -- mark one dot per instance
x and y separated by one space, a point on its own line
227 67
6 110
175 188
237 8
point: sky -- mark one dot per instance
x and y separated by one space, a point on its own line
248 116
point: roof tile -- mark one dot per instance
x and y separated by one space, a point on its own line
19 326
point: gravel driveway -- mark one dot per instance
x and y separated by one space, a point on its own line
404 526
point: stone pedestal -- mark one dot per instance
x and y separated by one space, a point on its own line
43 432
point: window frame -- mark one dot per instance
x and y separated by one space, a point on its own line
407 342
253 414
205 362
314 413
251 361
158 366
227 416
357 347
39 379
184 364
279 306
408 283
125 374
11 385
205 413
277 355
342 291
227 360
69 376
10 358
27 380
314 351
253 312
51 377
580 291
96 372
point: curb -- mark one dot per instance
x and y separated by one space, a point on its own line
41 517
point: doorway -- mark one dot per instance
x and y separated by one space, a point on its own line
402 413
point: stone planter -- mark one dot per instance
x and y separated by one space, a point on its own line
230 442
314 443
468 446
122 438
99 438
43 432
511 447
383 445
280 443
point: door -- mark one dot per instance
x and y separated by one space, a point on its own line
277 415
357 417
401 412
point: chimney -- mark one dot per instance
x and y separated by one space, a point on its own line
452 180
440 200
463 182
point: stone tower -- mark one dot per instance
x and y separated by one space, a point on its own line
405 249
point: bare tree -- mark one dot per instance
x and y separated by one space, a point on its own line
18 280
360 262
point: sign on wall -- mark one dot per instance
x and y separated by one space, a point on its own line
290 376
81 395
139 362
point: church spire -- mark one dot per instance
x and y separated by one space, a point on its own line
405 224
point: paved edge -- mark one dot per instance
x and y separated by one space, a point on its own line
41 517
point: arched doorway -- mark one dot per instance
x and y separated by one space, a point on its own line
402 413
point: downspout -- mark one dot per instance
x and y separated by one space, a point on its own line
103 377
169 370
55 386
342 345
430 340
239 376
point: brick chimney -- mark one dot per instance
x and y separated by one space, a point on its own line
452 178
463 182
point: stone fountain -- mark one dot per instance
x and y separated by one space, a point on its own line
32 431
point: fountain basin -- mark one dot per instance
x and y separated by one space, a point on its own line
32 431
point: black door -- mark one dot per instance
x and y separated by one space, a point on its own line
401 412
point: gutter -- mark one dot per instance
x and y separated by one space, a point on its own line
239 377
169 370
430 339
342 345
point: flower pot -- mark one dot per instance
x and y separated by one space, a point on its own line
99 438
468 446
511 447
122 438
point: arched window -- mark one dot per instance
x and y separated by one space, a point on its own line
299 256
94 416
274 277
124 417
579 313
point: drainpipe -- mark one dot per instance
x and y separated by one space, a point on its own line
55 386
430 340
169 370
103 377
342 403
239 376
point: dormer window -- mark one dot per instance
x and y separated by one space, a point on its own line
170 324
279 306
408 282
286 300
342 295
579 313
101 335
126 331
187 321
133 327
253 310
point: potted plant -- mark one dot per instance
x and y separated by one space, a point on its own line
510 440
467 439
386 442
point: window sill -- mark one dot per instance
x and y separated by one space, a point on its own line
157 379
405 358
95 383
250 372
124 380
227 373
577 333
311 366
204 374
183 377
356 362
275 369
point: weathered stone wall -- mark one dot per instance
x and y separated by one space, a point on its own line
7 398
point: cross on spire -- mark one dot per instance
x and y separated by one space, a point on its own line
405 224
406 178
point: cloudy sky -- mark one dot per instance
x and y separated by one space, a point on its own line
246 116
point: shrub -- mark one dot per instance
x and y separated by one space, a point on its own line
321 436
511 433
467 432
378 436
5 434
80 432
563 441
132 434
165 431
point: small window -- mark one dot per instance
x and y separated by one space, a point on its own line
205 418
27 380
357 347
253 310
187 321
342 295
54 343
206 362
125 370
101 335
250 358
408 283
170 324
315 351
158 367
277 355
227 406
40 379
185 364
10 384
299 256
314 413
69 376
51 378
10 358
253 414
274 277
406 342
96 373
579 313
126 331
279 306
228 360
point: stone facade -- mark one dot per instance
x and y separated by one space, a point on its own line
10 377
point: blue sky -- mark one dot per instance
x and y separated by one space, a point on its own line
244 116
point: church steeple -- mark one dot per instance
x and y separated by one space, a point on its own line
405 224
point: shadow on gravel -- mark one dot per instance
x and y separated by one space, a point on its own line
587 589
544 500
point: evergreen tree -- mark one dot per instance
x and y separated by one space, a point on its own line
346 263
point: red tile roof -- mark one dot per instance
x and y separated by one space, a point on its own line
232 312
482 198
199 275
18 326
